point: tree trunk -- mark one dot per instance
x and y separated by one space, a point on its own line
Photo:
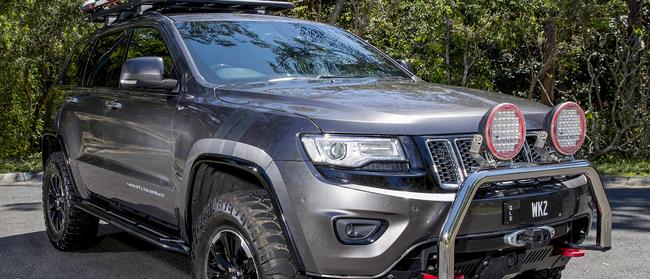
633 14
447 43
361 17
468 62
334 16
633 20
548 60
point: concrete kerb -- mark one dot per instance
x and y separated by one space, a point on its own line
20 177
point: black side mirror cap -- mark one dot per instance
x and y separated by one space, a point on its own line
406 65
145 73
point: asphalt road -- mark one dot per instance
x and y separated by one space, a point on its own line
25 251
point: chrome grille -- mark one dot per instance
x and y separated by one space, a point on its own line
444 162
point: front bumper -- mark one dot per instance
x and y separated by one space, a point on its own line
311 203
467 191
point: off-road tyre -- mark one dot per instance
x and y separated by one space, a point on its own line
551 273
251 214
78 230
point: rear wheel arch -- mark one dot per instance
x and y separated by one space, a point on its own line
245 170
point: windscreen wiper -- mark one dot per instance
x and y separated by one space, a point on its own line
335 77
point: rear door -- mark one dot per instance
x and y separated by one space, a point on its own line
138 137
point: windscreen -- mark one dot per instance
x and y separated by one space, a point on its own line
236 52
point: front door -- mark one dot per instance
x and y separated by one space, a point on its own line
139 140
102 77
81 122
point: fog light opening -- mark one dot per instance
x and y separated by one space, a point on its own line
359 231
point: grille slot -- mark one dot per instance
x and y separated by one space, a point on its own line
463 148
444 163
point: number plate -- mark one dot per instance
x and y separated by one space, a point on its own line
532 210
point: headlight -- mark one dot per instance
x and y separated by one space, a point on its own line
566 125
504 131
345 151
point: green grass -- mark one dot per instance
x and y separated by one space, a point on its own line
31 163
624 167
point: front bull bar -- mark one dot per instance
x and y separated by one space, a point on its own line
467 190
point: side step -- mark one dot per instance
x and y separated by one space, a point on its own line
155 237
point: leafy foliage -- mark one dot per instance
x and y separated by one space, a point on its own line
617 167
590 51
28 163
35 39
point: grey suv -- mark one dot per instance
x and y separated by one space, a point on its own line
266 146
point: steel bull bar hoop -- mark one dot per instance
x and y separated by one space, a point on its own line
468 188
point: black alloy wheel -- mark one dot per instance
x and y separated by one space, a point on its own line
56 203
230 257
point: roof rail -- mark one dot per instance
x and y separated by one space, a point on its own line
136 7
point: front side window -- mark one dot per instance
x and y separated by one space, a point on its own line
235 52
147 41
106 60
73 74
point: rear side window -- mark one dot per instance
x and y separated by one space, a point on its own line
147 41
106 60
74 72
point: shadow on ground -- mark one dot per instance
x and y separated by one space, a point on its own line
25 206
116 255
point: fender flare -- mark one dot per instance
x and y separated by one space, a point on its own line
247 158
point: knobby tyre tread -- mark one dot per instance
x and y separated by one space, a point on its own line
251 212
80 228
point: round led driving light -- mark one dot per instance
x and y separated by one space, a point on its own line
504 131
566 124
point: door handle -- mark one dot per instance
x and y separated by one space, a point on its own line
114 105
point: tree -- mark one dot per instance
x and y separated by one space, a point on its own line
589 51
36 38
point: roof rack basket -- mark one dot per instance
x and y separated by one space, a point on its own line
137 7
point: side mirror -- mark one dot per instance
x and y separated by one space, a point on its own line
407 65
145 73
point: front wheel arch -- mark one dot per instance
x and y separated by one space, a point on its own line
246 170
